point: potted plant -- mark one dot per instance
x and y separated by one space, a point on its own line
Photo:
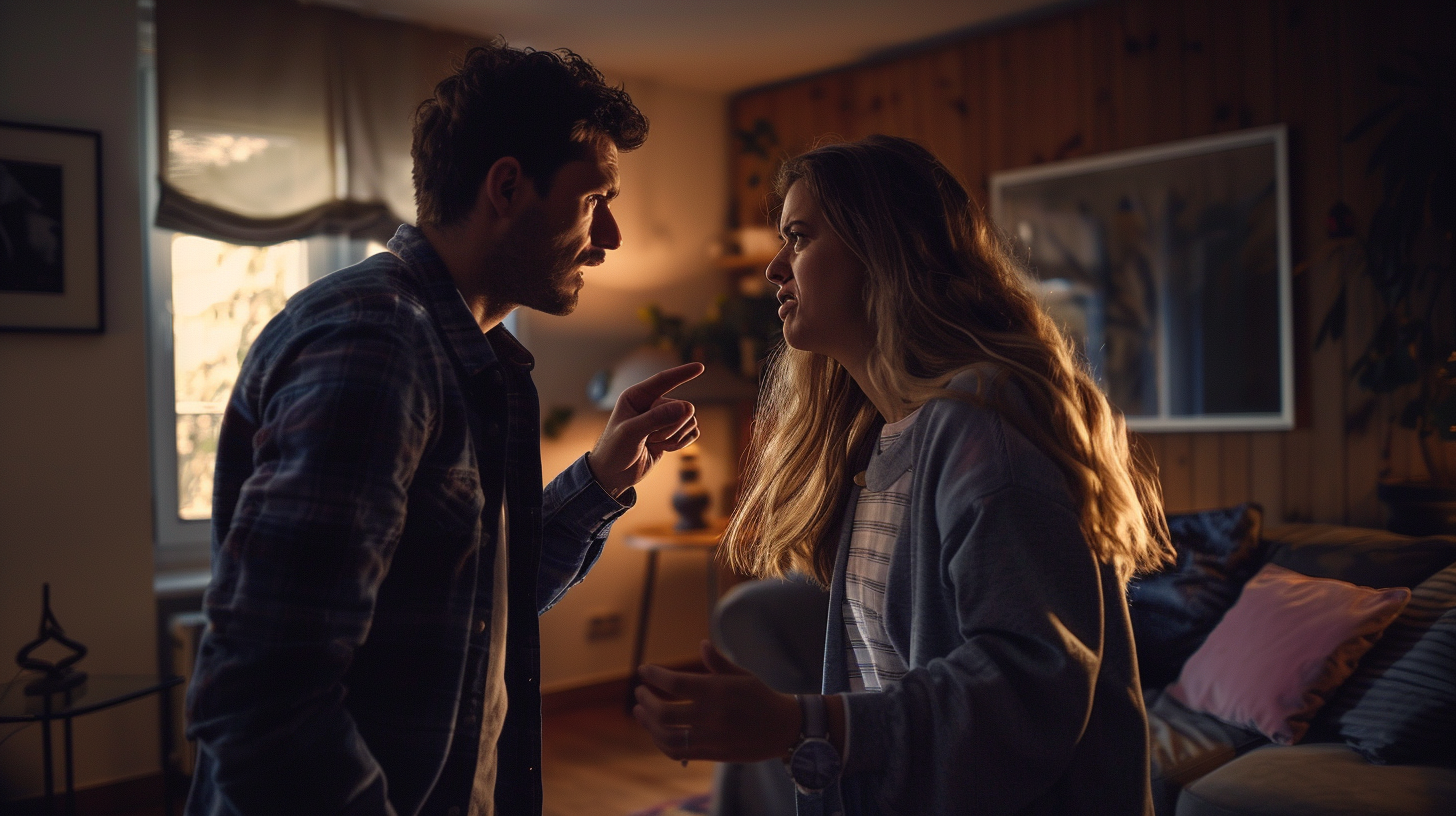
1407 253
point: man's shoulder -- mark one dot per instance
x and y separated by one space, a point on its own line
380 286
377 297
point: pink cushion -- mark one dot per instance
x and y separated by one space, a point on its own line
1287 643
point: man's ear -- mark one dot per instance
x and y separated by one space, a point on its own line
504 183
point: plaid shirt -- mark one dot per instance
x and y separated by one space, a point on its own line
363 459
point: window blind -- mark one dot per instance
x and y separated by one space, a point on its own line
280 120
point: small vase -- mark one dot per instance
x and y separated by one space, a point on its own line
691 498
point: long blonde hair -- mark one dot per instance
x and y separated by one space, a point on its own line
943 294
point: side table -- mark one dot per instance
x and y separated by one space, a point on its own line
100 691
655 540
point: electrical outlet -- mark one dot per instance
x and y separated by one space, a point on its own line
604 626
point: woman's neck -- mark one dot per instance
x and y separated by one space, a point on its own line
892 408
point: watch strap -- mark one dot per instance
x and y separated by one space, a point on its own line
816 716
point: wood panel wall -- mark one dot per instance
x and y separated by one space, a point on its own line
1128 73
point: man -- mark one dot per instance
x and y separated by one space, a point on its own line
382 543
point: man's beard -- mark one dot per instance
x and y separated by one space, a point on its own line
537 269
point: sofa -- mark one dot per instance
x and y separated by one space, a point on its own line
1349 732
1353 751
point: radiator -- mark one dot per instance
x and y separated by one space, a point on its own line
185 629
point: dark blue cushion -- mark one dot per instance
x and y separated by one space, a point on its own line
1175 609
1402 701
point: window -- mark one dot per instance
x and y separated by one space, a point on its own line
1168 266
208 302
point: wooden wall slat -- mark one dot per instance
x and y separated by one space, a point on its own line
1147 74
974 146
940 107
1128 73
1177 472
1310 97
1266 474
1206 465
1235 480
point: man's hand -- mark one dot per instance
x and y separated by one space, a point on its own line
644 425
726 715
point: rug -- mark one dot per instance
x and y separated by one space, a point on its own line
687 806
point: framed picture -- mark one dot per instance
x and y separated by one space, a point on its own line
1169 268
50 229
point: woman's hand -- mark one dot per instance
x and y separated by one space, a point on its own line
727 714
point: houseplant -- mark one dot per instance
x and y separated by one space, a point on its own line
1407 254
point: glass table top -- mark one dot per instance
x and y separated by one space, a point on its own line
97 692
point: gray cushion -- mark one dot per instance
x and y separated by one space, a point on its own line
1185 745
1320 779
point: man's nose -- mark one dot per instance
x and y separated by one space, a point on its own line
605 233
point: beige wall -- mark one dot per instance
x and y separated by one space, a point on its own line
673 203
75 476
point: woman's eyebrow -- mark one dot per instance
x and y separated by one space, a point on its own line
796 222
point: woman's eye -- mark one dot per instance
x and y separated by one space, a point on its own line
793 239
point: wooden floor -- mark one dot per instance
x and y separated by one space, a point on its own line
599 762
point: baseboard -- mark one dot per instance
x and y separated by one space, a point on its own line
140 794
602 692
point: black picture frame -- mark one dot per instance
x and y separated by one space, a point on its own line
50 229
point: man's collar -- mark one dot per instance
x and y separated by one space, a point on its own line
476 351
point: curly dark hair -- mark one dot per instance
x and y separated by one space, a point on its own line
541 107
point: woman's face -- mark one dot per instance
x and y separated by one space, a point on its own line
821 284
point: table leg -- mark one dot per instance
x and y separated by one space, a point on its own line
169 769
46 759
712 586
639 644
70 770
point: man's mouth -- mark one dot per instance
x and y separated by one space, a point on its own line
594 259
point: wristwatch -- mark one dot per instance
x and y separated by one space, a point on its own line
813 763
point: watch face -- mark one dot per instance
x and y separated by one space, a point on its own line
814 765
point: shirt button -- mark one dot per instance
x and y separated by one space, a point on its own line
479 626
493 429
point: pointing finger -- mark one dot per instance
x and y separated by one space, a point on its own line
643 395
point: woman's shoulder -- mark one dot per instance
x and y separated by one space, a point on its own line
971 434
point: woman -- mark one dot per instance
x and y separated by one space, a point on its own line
930 447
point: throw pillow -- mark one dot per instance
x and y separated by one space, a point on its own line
1287 643
1401 704
1174 609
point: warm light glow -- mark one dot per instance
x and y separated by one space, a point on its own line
222 296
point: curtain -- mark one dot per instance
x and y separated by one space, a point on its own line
280 120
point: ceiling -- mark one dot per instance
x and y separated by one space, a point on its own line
706 44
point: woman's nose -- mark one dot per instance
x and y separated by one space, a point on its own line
778 270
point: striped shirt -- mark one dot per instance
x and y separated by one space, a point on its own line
878 518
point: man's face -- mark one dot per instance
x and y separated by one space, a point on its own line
554 237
